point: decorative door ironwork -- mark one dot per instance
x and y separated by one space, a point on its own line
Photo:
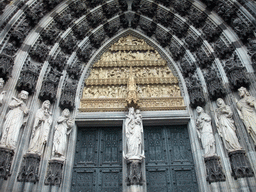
169 161
98 160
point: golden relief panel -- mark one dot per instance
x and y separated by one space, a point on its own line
131 73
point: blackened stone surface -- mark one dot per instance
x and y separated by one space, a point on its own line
29 171
134 173
214 169
240 164
6 156
54 173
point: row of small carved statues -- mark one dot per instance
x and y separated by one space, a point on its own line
130 56
17 117
121 91
123 72
246 108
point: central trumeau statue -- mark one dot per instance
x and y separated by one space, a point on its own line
131 73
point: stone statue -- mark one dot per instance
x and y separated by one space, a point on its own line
247 111
203 123
226 126
14 120
41 128
62 130
133 131
2 94
132 96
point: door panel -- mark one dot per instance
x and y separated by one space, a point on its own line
169 162
98 163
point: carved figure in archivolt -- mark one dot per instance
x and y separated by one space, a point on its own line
226 126
133 132
204 127
62 131
14 120
2 94
41 128
247 111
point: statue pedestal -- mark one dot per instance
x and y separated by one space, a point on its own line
30 168
54 172
240 164
214 169
6 156
134 172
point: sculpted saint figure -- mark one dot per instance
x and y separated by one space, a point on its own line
133 131
226 126
14 120
62 131
203 123
247 111
41 128
2 94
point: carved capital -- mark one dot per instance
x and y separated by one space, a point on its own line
214 169
54 173
240 164
29 171
6 156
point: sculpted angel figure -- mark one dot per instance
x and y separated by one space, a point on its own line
247 111
133 131
41 128
2 94
226 126
62 131
14 120
203 123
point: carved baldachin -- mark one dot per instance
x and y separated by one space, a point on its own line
134 172
6 156
6 65
29 171
54 173
214 169
240 164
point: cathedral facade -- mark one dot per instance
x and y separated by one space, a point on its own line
127 95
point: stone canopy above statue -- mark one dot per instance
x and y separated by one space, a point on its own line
131 63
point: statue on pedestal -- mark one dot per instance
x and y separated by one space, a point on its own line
2 94
247 111
134 131
14 120
41 128
203 123
62 131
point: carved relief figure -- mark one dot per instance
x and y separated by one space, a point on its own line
247 111
226 126
2 94
133 131
41 128
62 131
203 123
14 120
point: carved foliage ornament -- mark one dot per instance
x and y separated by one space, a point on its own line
39 52
67 99
18 35
164 17
35 14
223 51
148 9
211 33
63 21
68 44
49 36
78 8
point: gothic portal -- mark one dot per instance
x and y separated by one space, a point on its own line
127 95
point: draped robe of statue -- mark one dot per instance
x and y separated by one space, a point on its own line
247 111
133 131
226 126
62 130
205 133
41 128
14 120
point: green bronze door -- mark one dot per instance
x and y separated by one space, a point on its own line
169 161
98 160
